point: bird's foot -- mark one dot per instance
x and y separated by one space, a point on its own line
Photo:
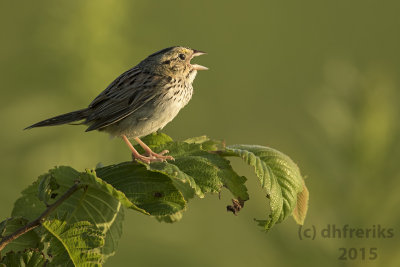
160 155
150 155
146 159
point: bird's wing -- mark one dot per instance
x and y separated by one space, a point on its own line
125 95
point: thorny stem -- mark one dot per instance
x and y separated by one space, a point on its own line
38 221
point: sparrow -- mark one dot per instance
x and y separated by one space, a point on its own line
141 100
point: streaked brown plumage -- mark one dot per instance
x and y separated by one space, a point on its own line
140 101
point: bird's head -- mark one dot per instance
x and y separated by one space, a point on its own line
173 61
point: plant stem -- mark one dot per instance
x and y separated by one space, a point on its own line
38 221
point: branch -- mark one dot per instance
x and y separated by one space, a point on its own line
32 225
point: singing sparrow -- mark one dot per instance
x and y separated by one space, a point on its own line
140 101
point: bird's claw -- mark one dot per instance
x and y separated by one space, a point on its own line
147 160
160 155
153 157
163 152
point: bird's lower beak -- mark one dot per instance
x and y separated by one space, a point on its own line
199 67
197 53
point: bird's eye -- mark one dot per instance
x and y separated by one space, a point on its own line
167 62
182 56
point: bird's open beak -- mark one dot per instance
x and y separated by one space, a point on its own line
197 53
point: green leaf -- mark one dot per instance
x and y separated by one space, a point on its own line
210 171
278 175
204 172
153 192
25 241
196 171
199 170
183 182
95 204
89 178
27 258
74 244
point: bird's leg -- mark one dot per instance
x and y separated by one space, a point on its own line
136 154
151 153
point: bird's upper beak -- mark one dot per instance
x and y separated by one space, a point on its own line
197 53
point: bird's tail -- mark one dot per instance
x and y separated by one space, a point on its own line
62 119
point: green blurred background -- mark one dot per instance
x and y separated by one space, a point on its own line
318 80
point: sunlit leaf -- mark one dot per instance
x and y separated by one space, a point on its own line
94 204
74 244
183 182
210 171
278 175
